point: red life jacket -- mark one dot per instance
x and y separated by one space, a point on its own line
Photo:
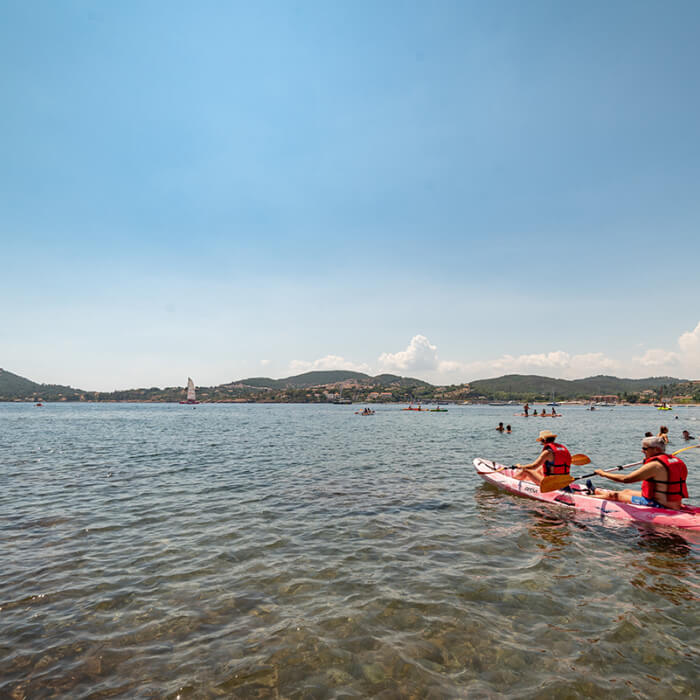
676 488
560 463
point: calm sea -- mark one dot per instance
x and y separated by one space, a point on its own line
293 551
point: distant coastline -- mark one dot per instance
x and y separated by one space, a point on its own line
342 386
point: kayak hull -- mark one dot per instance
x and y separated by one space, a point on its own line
687 519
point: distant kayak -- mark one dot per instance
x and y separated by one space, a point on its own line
438 410
539 415
688 518
410 408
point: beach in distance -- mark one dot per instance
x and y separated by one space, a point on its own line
306 551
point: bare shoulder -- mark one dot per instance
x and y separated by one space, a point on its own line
655 468
646 471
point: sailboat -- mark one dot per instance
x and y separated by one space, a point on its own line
191 394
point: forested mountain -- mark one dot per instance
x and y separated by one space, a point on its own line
12 386
324 377
320 386
523 386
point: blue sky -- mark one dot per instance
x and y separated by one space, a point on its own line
448 190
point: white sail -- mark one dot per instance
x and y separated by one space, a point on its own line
191 396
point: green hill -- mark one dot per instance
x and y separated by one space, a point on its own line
318 378
259 382
529 385
394 380
12 386
303 381
322 377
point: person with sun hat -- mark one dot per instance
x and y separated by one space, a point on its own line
554 459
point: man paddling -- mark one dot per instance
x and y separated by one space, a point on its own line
663 479
554 459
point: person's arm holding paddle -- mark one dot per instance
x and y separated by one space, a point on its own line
646 471
537 463
663 479
554 458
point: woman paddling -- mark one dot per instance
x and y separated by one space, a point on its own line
554 459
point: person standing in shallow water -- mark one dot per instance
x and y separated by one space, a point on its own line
508 430
663 479
554 459
500 428
526 410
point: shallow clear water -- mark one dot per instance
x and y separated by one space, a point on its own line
306 552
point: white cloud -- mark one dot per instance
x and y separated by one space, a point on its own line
420 358
689 344
264 363
557 363
420 354
657 359
685 361
327 363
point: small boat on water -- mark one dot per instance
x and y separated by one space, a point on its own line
688 518
191 393
552 401
412 408
438 410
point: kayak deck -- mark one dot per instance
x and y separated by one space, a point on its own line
688 518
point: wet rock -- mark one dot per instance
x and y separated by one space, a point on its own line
93 666
374 673
44 662
337 676
19 692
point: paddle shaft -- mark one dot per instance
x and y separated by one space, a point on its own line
578 459
683 449
614 469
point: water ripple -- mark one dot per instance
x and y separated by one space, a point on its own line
292 551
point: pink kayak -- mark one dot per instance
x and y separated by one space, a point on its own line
688 518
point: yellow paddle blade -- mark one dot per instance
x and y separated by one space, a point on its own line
579 460
556 482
